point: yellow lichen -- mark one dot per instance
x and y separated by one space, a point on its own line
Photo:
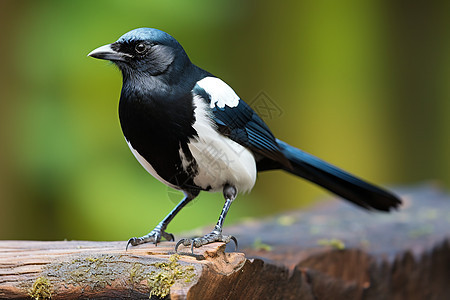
41 289
160 281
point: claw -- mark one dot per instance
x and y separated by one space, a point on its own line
179 243
235 243
168 236
185 242
153 237
132 241
207 239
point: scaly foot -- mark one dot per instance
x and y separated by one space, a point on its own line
153 237
214 236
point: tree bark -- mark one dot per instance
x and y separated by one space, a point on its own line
333 251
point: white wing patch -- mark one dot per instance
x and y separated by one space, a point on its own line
221 93
220 160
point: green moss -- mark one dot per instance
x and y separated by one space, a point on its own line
91 259
41 289
286 220
98 271
259 245
335 243
136 273
167 274
94 271
421 231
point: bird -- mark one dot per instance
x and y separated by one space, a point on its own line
192 132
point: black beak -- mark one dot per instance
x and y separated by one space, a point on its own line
108 53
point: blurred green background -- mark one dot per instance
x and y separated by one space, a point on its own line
362 84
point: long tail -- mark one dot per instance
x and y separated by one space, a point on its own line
337 181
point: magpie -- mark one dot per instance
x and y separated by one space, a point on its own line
192 132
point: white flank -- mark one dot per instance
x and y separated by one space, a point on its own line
220 160
148 166
221 93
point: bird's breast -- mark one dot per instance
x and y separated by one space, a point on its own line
154 131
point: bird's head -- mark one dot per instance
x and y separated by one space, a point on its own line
146 51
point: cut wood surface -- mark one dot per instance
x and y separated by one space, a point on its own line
332 251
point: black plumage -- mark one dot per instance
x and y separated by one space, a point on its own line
192 132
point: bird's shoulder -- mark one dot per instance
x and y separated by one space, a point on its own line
235 119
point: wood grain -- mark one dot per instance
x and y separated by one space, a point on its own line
331 251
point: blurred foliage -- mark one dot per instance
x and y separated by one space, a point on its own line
362 84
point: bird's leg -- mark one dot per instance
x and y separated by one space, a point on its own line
159 231
230 193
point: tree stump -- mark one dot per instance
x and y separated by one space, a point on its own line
333 251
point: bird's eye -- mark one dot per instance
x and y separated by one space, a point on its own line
140 48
